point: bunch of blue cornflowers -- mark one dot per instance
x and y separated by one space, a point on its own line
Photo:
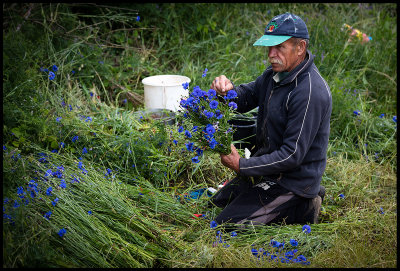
203 121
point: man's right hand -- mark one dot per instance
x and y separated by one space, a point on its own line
221 85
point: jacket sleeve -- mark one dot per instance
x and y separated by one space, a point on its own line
306 108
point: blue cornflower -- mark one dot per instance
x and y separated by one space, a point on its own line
89 212
48 191
75 138
138 18
101 62
84 150
254 251
205 72
51 75
189 146
233 105
233 234
47 215
180 129
195 159
199 152
58 119
20 190
188 134
175 142
341 196
73 72
213 224
194 129
231 94
62 232
210 130
55 68
91 94
211 93
306 229
213 143
185 85
63 184
4 147
218 114
88 119
213 104
208 114
356 112
381 211
54 202
62 145
394 119
382 115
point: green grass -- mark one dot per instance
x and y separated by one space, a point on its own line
137 178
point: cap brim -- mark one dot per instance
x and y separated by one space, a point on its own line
271 40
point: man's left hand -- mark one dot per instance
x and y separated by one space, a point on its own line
231 160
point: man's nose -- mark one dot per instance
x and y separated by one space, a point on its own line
271 51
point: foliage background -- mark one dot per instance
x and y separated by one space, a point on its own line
103 52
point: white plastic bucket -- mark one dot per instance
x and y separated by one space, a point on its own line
164 91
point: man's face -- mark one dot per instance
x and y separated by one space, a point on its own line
284 57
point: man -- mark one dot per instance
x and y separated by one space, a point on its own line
280 182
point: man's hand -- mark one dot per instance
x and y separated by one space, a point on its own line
221 85
231 160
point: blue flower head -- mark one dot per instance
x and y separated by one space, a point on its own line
58 119
208 114
84 150
62 232
180 129
306 229
210 130
51 75
205 72
293 242
382 115
188 134
356 112
189 146
213 143
195 159
185 85
394 119
138 18
232 105
199 152
55 68
213 224
48 191
231 94
213 104
341 196
211 93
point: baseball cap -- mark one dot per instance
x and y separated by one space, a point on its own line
281 28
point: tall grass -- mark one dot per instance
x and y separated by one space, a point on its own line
135 181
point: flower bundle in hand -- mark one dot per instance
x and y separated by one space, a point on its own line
204 121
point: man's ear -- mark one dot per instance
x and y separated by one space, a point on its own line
301 46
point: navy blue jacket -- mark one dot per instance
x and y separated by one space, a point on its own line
293 126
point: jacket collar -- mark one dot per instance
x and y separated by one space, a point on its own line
307 62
